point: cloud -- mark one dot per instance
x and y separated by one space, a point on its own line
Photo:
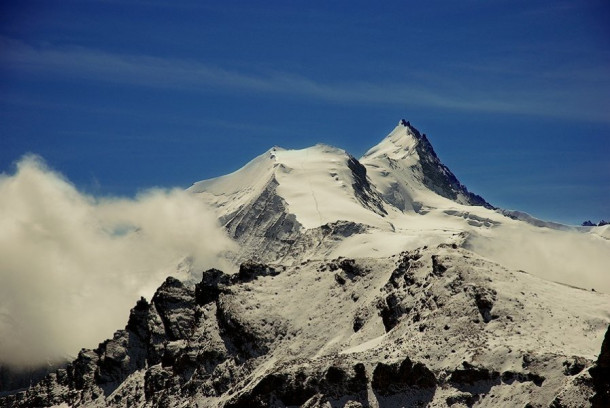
72 265
570 94
570 257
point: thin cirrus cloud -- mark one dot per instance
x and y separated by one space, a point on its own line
556 93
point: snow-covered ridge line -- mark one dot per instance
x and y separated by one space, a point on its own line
284 204
401 171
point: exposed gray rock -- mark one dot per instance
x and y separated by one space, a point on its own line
438 177
397 377
470 374
279 390
227 343
16 378
264 225
175 304
464 398
212 283
601 375
484 300
365 192
574 365
248 271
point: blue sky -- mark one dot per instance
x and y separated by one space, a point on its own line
124 95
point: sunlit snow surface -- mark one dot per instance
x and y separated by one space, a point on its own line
318 188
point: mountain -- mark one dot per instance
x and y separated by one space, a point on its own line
270 203
404 165
372 282
284 197
288 206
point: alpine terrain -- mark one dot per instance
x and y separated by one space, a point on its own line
372 282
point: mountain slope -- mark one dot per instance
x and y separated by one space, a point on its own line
405 167
379 282
432 326
292 205
319 184
269 203
281 197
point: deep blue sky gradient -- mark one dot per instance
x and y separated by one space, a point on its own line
124 95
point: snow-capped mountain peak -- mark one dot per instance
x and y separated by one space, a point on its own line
406 168
319 184
280 194
399 144
318 202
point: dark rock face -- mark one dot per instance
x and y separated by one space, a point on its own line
265 224
201 341
401 276
465 398
249 271
344 229
601 375
280 390
395 378
212 283
325 236
175 305
470 374
157 338
511 376
219 342
363 189
97 373
238 334
340 279
437 267
155 381
484 300
438 177
339 381
14 379
392 308
352 269
358 323
274 389
346 269
574 366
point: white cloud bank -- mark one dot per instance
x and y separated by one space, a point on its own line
71 265
571 257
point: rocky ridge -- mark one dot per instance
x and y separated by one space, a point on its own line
432 327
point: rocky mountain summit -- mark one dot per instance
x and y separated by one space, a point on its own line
408 158
372 282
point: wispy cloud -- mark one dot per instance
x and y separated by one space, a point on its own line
572 94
